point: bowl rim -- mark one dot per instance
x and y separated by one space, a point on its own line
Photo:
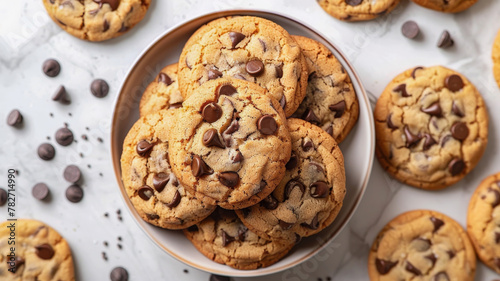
116 155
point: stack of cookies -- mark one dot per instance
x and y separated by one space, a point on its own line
237 143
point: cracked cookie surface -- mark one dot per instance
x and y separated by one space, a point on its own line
223 238
483 221
230 143
431 127
248 48
496 58
358 10
149 181
448 6
162 93
96 20
422 245
310 195
41 253
330 100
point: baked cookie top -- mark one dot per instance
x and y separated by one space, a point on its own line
310 195
358 10
496 58
448 6
96 20
330 100
230 143
483 221
248 48
223 238
153 189
431 127
162 93
40 253
422 245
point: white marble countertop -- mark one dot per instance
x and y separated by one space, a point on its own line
376 48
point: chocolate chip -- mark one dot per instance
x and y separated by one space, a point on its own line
40 191
411 139
51 68
496 193
262 185
270 202
113 3
319 189
44 251
160 181
175 201
285 225
214 74
143 148
219 278
456 110
307 145
338 108
445 140
459 131
283 102
151 217
123 28
429 142
211 112
454 83
226 239
165 79
263 44
441 276
99 88
410 268
279 71
61 95
445 40
229 179
437 223
292 163
432 257
389 122
199 167
291 185
233 127
15 118
384 266
410 29
310 117
456 166
433 110
451 254
329 130
353 2
237 158
414 72
64 136
145 192
314 224
267 125
46 151
119 274
211 138
18 262
175 105
105 26
3 196
254 67
241 233
72 173
401 88
497 237
236 38
227 90
74 193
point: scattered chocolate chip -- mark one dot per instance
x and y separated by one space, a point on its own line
291 185
456 110
267 125
145 192
152 217
175 201
241 233
451 254
84 137
414 72
105 26
445 40
410 29
3 196
319 189
285 225
119 274
99 139
227 90
160 181
64 136
270 202
105 243
254 67
329 130
283 102
18 262
262 185
40 191
99 88
51 68
235 38
433 110
389 122
104 256
338 108
263 44
454 83
353 2
123 28
143 148
441 276
402 90
46 151
292 163
72 173
496 193
459 131
44 251
437 223
456 166
411 139
214 277
307 145
237 158
15 118
106 215
226 239
211 112
211 138
233 127
497 237
429 142
186 271
74 193
279 71
314 224
432 257
61 95
310 117
410 268
214 74
165 79
199 167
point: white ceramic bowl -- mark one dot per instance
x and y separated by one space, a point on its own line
358 147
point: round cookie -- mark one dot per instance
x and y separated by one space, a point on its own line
223 238
40 253
358 10
483 221
431 127
151 186
330 100
422 245
230 143
96 20
448 6
496 59
162 93
310 195
247 48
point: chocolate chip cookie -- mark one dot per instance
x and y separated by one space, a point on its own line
151 186
223 238
330 101
310 195
496 59
357 10
96 20
162 93
230 143
422 245
447 6
248 48
483 221
431 127
40 252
